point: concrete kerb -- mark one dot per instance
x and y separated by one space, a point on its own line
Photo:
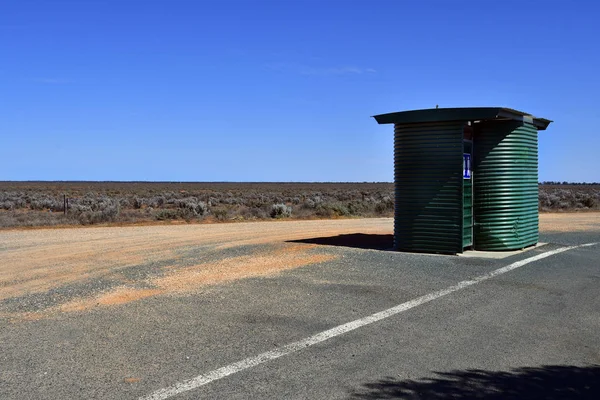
491 255
498 255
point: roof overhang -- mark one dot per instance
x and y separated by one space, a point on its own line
460 114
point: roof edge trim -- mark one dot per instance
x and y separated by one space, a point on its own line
460 114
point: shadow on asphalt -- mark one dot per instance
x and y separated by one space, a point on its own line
356 240
551 382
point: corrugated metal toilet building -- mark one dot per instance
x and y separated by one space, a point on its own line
465 178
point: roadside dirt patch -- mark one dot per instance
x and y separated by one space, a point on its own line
261 264
65 270
49 271
185 280
38 260
570 222
120 295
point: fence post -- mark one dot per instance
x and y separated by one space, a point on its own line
64 204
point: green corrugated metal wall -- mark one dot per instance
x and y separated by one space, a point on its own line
506 185
428 187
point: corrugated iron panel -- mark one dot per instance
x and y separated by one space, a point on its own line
428 187
506 185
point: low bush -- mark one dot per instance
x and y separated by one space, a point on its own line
220 214
89 212
386 205
333 209
192 207
280 211
46 203
167 214
32 218
7 205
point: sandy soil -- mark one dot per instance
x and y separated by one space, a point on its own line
188 256
570 222
183 257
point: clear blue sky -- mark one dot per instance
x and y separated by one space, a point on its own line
280 90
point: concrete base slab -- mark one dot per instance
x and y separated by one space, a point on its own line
497 255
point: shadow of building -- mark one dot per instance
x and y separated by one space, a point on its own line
550 382
355 240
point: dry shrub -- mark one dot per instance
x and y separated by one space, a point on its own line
280 211
97 202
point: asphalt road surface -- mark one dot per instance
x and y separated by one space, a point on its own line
299 310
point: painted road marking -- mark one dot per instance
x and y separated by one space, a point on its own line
250 362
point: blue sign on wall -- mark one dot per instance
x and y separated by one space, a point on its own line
466 166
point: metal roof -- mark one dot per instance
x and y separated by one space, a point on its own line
460 114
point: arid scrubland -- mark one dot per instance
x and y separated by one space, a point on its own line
43 203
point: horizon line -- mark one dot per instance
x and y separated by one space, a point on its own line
548 182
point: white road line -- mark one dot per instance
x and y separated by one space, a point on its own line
250 362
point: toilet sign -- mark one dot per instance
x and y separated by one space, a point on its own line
466 166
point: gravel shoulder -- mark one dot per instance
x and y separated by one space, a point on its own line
43 272
48 271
